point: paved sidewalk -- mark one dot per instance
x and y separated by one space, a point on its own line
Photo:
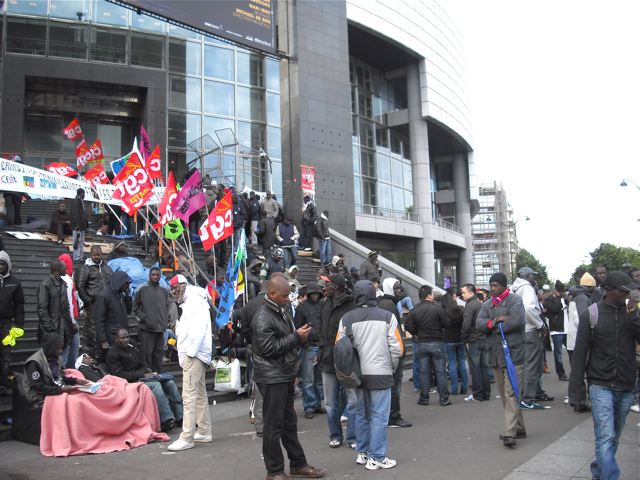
569 457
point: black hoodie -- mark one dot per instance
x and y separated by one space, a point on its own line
11 296
112 308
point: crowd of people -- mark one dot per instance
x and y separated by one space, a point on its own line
288 331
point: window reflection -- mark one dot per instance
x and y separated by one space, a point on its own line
106 12
218 62
28 7
250 103
218 98
184 57
108 45
185 93
71 9
250 69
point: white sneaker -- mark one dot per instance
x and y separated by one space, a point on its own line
362 459
376 465
635 408
470 399
343 419
198 437
179 445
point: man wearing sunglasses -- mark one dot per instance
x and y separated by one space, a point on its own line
605 352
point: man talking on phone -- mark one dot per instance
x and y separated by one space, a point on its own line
275 355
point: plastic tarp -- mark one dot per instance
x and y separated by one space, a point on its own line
137 271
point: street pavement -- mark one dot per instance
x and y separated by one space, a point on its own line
458 441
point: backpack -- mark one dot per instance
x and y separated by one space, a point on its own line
347 362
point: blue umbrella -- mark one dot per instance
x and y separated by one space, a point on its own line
511 368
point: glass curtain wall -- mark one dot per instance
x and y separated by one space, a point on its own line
212 86
383 183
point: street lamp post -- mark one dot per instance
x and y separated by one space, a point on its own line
625 183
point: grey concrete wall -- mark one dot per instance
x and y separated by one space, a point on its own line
16 68
316 107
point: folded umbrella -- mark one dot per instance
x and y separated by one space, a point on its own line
511 368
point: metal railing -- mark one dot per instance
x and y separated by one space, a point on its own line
363 209
438 222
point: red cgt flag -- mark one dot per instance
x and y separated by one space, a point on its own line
61 168
153 164
170 194
134 187
73 131
83 154
97 175
97 155
219 225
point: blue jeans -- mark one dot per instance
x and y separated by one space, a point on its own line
325 251
432 352
479 363
609 409
168 400
558 342
416 368
404 302
312 394
372 419
290 256
72 351
334 409
457 365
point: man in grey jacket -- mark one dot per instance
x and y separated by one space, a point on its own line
506 309
151 307
376 337
534 348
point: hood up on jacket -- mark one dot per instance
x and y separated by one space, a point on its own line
118 279
578 290
519 283
66 258
194 294
4 256
364 293
51 345
387 286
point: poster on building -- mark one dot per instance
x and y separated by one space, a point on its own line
308 180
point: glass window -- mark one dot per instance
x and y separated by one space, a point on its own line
396 142
28 7
355 152
115 139
250 69
184 93
147 50
250 103
218 98
368 162
144 22
273 74
398 199
183 128
176 31
357 190
384 197
25 35
106 12
72 9
366 133
381 136
42 134
364 105
274 142
251 135
184 57
211 124
369 192
273 108
408 199
68 40
408 176
276 179
384 168
218 63
396 172
108 45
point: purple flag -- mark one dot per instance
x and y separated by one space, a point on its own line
190 198
146 143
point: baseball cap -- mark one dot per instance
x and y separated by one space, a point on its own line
527 271
178 279
337 279
621 281
373 252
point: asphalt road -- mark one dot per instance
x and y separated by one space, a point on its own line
458 441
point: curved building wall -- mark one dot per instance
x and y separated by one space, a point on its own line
424 27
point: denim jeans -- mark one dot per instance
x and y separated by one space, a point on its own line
609 409
312 394
457 367
78 244
558 342
432 352
325 251
478 363
334 409
290 256
168 399
72 351
371 422
416 368
404 302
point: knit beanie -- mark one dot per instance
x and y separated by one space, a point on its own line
500 278
587 280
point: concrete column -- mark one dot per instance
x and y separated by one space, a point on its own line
419 144
463 216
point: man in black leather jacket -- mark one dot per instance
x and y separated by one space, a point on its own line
275 355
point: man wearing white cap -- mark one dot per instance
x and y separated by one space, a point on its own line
194 355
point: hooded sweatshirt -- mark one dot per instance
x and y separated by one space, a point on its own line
112 308
375 336
11 296
194 327
527 293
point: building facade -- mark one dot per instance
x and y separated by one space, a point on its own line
370 93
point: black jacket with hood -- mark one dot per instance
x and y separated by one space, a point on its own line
112 308
11 296
332 310
309 313
54 314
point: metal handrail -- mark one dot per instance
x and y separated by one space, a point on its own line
439 222
373 210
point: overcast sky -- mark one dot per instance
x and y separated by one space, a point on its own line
555 88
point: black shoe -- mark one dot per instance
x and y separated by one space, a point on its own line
544 398
308 415
509 441
463 392
400 423
446 403
423 402
521 434
259 434
563 378
320 410
168 425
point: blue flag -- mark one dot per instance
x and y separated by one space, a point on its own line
228 292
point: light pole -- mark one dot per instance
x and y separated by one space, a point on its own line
625 183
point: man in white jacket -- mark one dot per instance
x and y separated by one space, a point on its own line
194 354
534 348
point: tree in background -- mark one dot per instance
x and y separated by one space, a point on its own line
612 257
524 258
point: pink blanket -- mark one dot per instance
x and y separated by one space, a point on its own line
119 416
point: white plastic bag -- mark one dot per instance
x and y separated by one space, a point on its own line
227 376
